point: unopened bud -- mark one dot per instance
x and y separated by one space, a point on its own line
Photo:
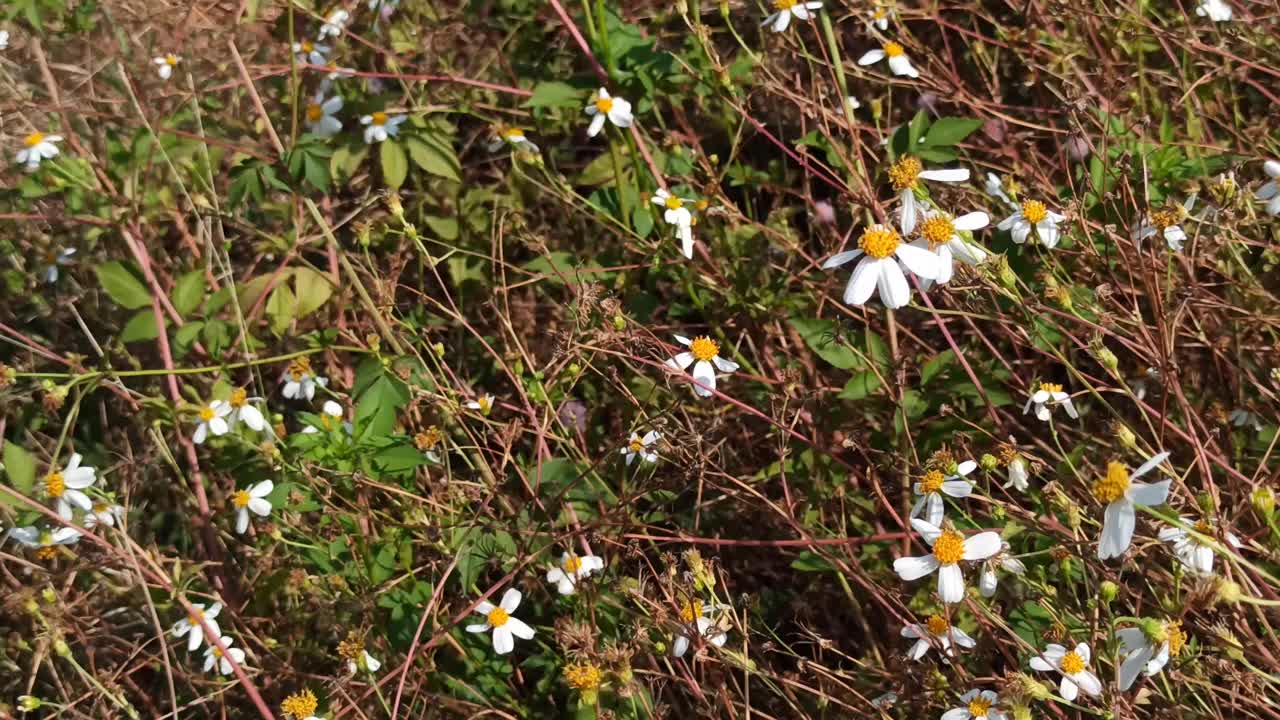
989 462
1125 435
1108 592
438 349
394 205
1007 276
49 596
1032 687
1106 358
1229 592
1264 501
61 648
619 322
27 703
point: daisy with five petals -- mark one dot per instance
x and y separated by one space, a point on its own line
704 355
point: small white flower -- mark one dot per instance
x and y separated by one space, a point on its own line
54 261
103 514
335 73
602 106
936 631
213 421
675 213
212 656
1121 494
1074 666
367 662
299 381
1215 10
852 103
703 618
165 65
255 499
994 186
1016 470
33 537
379 126
320 115
1148 654
935 484
905 175
510 136
949 548
191 628
639 447
880 17
704 355
243 412
1166 223
573 568
940 234
1241 417
978 705
36 148
882 250
4 39
1032 214
1192 545
784 10
1270 190
64 486
484 404
1046 397
330 419
505 627
311 53
899 63
334 24
987 580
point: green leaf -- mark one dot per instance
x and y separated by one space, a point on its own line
935 365
124 287
821 337
916 130
312 290
860 386
948 131
395 165
810 562
142 326
188 292
377 407
20 467
445 228
554 94
435 157
282 308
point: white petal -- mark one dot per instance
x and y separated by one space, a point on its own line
262 489
1147 466
242 520
503 641
914 568
871 56
928 531
982 546
1117 529
1021 229
946 175
935 510
840 258
510 600
705 377
681 646
919 649
1039 663
957 488
477 628
260 507
724 365
1048 232
680 361
1088 682
901 65
950 584
894 291
972 221
1149 495
1068 690
597 123
519 628
919 260
862 282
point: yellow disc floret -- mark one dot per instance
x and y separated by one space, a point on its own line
498 617
241 499
937 625
937 229
692 610
33 139
893 50
300 705
979 707
703 348
906 172
949 547
879 241
314 113
207 413
572 563
1072 663
931 482
1175 636
239 398
637 444
604 104
1163 219
300 368
1050 387
379 118
1033 211
55 485
582 676
427 439
673 203
352 648
783 5
1114 485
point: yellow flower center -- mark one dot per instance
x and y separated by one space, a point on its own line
880 14
33 139
692 610
308 46
673 203
379 118
703 348
938 625
240 499
979 707
1203 527
352 648
498 617
428 438
1051 387
55 485
637 444
1165 218
931 482
170 60
783 5
1007 454
485 404
513 133
1114 485
604 104
216 651
906 171
299 369
300 705
207 413
949 548
937 229
47 553
314 113
893 50
239 398
879 241
1034 211
1175 636
572 564
194 620
582 676
100 507
1072 663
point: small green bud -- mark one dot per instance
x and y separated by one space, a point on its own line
31 607
49 596
989 462
1264 501
1007 276
1229 592
438 349
1108 592
27 703
574 368
1020 712
61 648
394 205
619 322
1107 358
1124 435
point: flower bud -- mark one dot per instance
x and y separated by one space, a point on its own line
27 703
394 205
1108 592
438 349
61 648
1264 501
1124 435
1106 358
1007 276
1229 592
619 322
989 462
49 596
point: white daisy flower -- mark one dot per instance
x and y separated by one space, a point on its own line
1121 495
1241 417
994 186
191 628
213 421
1270 190
1166 223
484 404
55 260
1032 214
244 412
905 175
677 214
934 485
1192 545
330 419
379 126
1215 10
987 580
36 148
936 631
335 73
214 656
505 627
940 234
1074 666
254 499
978 705
334 24
702 618
299 381
617 110
1148 649
784 10
1017 471
365 662
1046 397
949 548
165 65
320 115
311 53
639 447
510 136
880 17
573 568
64 486
45 540
852 103
704 355
882 249
899 63
103 514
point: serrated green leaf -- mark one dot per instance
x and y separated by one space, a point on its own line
312 290
434 157
142 326
125 289
188 292
395 165
948 131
